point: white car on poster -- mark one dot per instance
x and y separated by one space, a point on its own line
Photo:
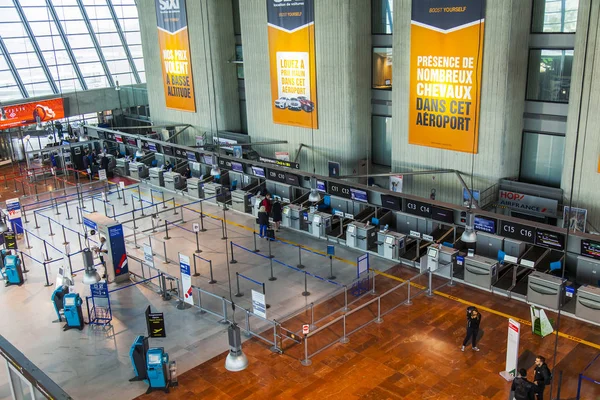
281 103
294 104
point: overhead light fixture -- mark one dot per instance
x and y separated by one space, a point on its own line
139 153
215 170
117 86
90 275
236 359
314 195
469 235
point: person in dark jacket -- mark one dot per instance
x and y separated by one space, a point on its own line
541 376
521 388
277 217
473 321
263 221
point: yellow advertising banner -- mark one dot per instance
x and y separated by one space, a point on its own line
445 73
292 58
174 47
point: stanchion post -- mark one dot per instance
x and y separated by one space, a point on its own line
233 260
300 266
306 292
25 215
429 289
141 204
267 305
25 270
114 213
166 230
153 227
165 250
79 239
408 300
118 193
35 189
56 207
195 269
64 235
135 239
93 204
306 362
212 279
133 218
46 274
197 244
270 254
79 212
174 207
163 199
237 278
272 278
48 258
312 316
37 226
256 250
67 209
27 240
346 298
201 219
124 197
223 230
50 227
331 276
105 209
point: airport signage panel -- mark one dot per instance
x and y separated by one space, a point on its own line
591 249
174 50
525 202
31 113
391 202
275 175
417 208
518 231
442 214
446 48
291 31
339 190
292 179
550 239
281 163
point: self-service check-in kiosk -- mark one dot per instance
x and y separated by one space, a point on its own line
441 259
138 170
157 176
117 269
481 271
545 290
255 201
361 236
211 191
173 180
72 311
240 201
318 224
292 217
122 167
157 369
194 188
390 244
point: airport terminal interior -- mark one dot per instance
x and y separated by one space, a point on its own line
227 199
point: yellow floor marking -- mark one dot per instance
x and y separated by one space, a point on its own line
492 311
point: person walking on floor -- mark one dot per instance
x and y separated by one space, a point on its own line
521 388
473 321
277 214
541 376
263 221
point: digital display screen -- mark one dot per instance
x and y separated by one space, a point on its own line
351 228
417 208
591 249
131 141
433 252
236 166
153 358
358 195
322 186
389 240
70 301
191 156
391 202
442 214
292 179
258 171
485 225
168 150
152 147
549 239
207 159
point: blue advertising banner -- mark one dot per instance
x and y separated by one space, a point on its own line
117 248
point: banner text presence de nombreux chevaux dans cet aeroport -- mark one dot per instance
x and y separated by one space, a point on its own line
445 73
174 47
292 58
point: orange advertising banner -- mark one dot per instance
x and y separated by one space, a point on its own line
292 57
445 73
31 113
174 47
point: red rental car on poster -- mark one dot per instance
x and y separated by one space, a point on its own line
307 105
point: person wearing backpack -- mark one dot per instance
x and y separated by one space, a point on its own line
521 388
541 376
473 321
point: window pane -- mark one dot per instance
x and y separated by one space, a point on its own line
19 45
39 89
240 71
136 51
542 159
80 41
382 68
382 12
25 60
139 64
75 27
64 2
85 55
119 66
237 30
549 77
108 39
69 13
103 25
113 53
56 57
96 82
239 53
9 93
98 12
50 43
11 29
69 85
36 14
44 28
32 75
6 79
124 79
133 38
381 140
125 11
142 76
91 69
554 16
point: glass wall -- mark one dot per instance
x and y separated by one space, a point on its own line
382 13
554 16
50 48
542 158
549 76
381 140
382 67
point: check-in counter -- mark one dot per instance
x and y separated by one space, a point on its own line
240 201
318 223
588 271
481 271
293 217
545 290
588 303
122 167
138 170
283 190
173 180
513 247
194 188
488 245
211 191
361 236
157 176
390 244
447 257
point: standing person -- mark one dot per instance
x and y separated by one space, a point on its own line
263 222
541 376
101 251
473 321
277 217
521 388
266 203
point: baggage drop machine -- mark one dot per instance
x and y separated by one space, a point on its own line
157 176
318 224
241 198
173 180
390 244
138 170
194 188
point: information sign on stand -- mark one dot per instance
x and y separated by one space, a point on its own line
122 185
103 195
10 240
102 174
148 256
305 329
196 227
186 279
156 324
512 350
259 304
540 323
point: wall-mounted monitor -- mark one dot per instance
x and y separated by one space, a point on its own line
292 179
207 159
484 224
236 166
591 249
391 202
358 195
322 186
258 171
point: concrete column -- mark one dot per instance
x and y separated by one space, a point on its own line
207 19
582 149
343 60
504 75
